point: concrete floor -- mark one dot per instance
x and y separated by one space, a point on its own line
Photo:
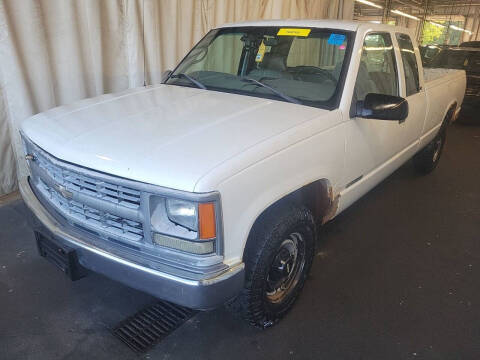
396 277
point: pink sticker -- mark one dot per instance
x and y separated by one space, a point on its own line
342 47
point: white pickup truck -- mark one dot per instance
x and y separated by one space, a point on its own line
212 187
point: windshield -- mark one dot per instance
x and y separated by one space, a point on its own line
301 65
458 59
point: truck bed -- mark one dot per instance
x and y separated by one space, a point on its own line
430 74
444 87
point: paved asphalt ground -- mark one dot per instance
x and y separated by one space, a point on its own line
397 276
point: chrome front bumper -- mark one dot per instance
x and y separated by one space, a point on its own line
205 293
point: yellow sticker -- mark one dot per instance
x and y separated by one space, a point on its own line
293 32
260 53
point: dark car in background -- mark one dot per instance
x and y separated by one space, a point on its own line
428 52
467 59
475 44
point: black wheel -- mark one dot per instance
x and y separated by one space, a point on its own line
426 160
278 257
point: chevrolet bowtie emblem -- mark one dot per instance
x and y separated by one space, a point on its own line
63 190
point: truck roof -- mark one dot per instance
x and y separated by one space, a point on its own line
324 23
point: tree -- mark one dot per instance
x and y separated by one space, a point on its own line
433 34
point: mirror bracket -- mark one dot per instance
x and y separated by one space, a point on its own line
165 75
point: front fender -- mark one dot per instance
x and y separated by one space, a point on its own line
248 193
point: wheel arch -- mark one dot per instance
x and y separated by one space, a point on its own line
449 113
317 196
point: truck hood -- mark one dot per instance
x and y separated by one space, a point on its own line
164 135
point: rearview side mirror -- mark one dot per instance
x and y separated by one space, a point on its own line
382 107
165 75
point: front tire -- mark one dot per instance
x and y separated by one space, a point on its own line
278 257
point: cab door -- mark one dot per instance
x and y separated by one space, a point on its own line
371 143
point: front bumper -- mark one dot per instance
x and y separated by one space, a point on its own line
203 294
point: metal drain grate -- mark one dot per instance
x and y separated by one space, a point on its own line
151 325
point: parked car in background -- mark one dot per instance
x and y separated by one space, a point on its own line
211 187
475 44
428 52
467 59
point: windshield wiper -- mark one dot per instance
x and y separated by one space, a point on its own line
282 95
189 78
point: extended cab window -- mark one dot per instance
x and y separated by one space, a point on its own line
409 60
377 72
299 65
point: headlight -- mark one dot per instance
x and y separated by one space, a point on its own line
183 213
184 225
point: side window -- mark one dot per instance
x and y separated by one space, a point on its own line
377 72
409 64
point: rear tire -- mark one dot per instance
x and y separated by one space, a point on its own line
426 160
278 257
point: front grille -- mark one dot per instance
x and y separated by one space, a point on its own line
92 219
74 181
50 176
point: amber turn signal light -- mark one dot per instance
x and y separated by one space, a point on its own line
206 221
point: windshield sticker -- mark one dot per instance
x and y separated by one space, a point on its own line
260 53
294 32
336 39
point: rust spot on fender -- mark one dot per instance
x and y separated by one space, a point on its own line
332 208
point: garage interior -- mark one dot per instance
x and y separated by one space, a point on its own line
395 276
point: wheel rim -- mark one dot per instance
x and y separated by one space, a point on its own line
286 268
437 147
